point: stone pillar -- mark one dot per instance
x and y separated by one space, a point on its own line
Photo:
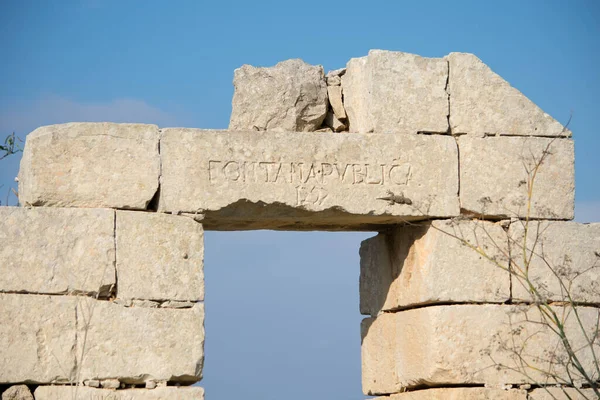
97 299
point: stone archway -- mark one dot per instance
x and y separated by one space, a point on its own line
107 288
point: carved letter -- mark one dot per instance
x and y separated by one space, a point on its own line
311 173
326 170
377 180
358 173
342 175
296 169
231 170
400 174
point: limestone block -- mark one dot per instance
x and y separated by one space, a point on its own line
378 354
555 393
494 176
159 257
481 103
90 165
291 96
467 344
138 344
88 393
335 99
394 92
566 252
310 180
459 394
37 338
57 250
17 392
335 124
405 267
334 78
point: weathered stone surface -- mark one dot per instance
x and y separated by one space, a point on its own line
17 392
459 394
494 177
291 96
394 92
403 268
335 124
37 338
466 344
481 103
334 78
138 344
335 99
90 165
110 383
562 394
378 354
563 252
56 250
159 256
310 180
88 393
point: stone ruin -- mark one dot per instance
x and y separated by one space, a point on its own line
102 287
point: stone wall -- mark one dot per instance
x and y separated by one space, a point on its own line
467 181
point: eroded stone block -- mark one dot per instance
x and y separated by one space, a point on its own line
395 92
565 260
468 344
335 99
481 103
17 392
90 165
138 344
291 96
428 263
57 250
459 394
496 173
87 393
309 180
159 257
37 338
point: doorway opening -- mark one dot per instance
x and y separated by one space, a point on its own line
282 315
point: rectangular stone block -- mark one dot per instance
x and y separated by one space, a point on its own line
481 103
137 344
308 180
57 250
395 92
497 173
469 344
291 96
90 165
563 261
88 393
554 393
459 394
435 262
37 338
159 257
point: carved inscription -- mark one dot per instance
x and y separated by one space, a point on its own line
308 173
310 195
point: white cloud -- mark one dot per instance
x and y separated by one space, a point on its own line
23 118
587 211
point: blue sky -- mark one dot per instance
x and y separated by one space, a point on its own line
171 63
